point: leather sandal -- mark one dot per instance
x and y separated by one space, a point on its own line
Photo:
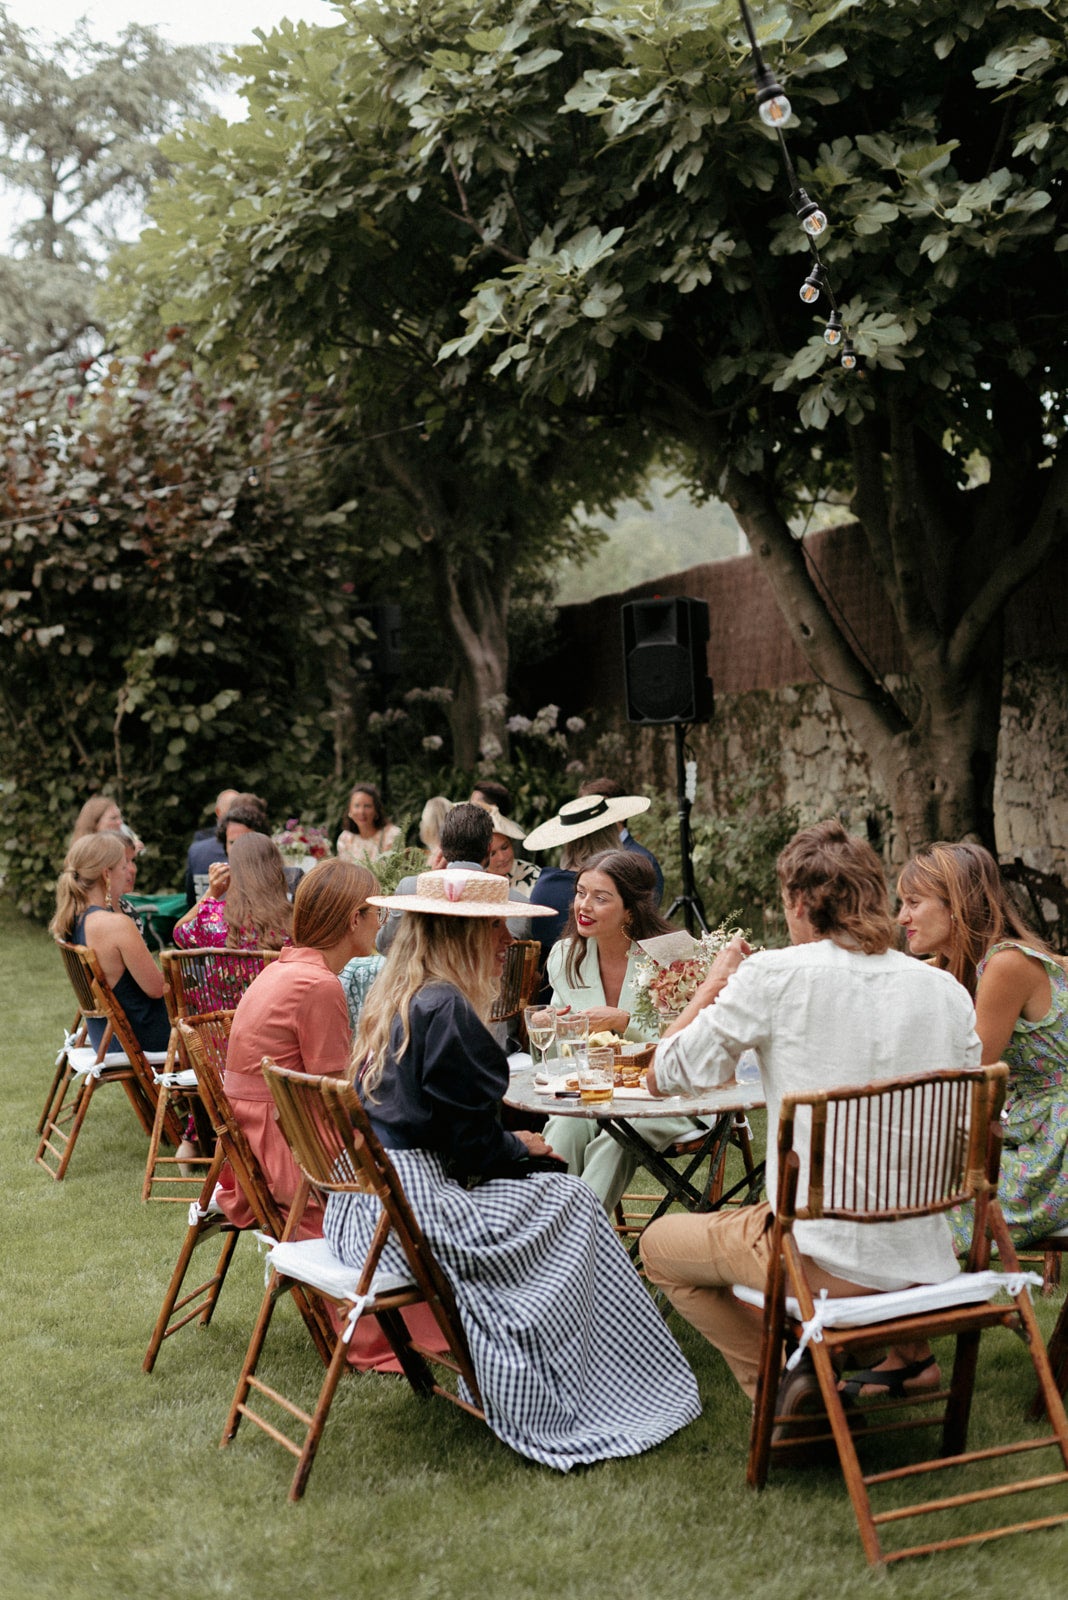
892 1379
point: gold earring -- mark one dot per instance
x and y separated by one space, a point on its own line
107 893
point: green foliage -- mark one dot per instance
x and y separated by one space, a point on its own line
80 123
144 586
733 854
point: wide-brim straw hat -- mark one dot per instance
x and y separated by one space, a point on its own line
505 825
459 892
587 814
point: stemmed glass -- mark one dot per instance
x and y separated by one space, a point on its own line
541 1029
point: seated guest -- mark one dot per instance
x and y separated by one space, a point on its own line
840 1008
466 834
573 1361
98 871
584 827
489 792
593 969
614 791
295 1012
502 860
207 848
954 908
434 813
366 832
358 974
100 814
246 906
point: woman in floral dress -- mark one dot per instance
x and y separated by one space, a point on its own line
954 909
246 906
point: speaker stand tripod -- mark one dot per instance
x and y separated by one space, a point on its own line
689 902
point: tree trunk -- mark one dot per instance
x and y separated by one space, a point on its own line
474 606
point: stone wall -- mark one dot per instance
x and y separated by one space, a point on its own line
770 710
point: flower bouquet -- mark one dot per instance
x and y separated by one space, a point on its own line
299 840
671 968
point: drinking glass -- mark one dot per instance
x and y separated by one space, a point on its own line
541 1029
572 1033
596 1076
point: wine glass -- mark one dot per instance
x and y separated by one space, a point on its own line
541 1029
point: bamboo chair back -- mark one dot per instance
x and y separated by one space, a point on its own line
203 981
905 1148
517 980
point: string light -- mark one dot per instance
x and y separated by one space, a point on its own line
809 214
775 110
810 289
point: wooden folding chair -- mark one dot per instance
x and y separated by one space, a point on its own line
906 1148
337 1153
204 1040
198 982
517 981
81 1070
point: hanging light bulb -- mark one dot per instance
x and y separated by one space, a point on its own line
772 105
849 356
832 333
810 289
252 478
809 215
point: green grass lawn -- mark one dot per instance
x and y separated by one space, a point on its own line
115 1488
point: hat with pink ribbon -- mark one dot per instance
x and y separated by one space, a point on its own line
460 892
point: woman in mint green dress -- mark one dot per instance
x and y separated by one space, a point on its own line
954 908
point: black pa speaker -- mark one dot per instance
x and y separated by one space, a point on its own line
665 660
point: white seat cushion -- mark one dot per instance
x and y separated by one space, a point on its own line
312 1261
857 1311
82 1058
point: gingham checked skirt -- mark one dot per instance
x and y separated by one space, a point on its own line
574 1362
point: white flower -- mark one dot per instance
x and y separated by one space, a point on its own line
432 741
575 725
518 724
490 747
575 766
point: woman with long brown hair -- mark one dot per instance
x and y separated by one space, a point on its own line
246 906
594 969
956 911
574 1363
295 1011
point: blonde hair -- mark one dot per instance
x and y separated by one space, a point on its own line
435 811
257 905
427 949
87 860
841 884
577 852
88 819
325 899
966 879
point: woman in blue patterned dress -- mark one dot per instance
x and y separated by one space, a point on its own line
574 1363
954 908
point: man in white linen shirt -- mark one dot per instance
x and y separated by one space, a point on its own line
839 1008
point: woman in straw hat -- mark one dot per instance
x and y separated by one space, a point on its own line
573 1361
581 829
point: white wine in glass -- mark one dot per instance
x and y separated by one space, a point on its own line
541 1028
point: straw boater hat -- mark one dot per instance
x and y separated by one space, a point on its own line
459 892
585 815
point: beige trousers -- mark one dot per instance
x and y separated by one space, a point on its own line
695 1258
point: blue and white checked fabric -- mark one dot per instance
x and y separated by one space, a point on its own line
574 1362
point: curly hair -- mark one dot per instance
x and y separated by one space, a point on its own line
841 885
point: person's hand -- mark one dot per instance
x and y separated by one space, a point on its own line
608 1019
536 1145
723 967
650 1081
218 879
